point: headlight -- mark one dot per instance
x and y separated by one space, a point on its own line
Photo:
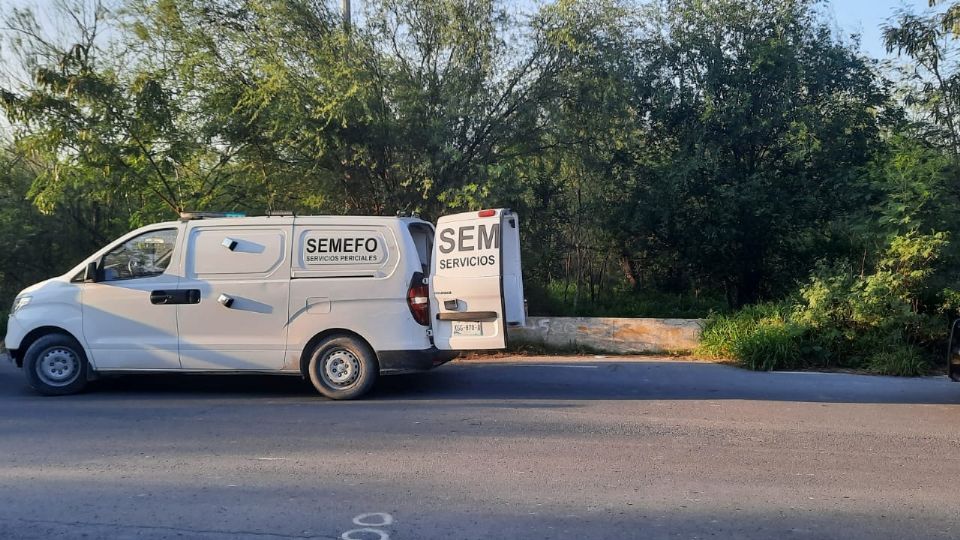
19 302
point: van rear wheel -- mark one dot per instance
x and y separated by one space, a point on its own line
55 365
343 367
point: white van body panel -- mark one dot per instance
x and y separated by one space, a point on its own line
55 295
367 298
120 326
58 303
122 329
476 266
249 264
514 304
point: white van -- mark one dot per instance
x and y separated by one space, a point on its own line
337 299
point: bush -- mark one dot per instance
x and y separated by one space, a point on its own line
902 360
770 347
723 332
759 337
843 318
878 321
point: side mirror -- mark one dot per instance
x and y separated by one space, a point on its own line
90 276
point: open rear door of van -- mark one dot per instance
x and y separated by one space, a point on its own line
476 290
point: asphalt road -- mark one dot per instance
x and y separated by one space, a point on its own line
544 448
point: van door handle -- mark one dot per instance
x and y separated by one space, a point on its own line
161 297
181 296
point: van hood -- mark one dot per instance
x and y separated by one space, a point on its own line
44 285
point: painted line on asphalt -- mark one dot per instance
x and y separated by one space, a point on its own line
364 519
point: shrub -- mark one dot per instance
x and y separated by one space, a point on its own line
723 332
760 337
877 320
770 346
902 360
837 321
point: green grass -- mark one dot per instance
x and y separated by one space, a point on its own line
725 334
767 337
758 337
771 347
902 361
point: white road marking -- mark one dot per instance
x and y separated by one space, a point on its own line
364 519
368 521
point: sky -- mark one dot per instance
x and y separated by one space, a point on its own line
867 16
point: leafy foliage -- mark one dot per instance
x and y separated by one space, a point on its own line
858 320
36 243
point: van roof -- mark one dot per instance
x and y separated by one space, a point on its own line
299 220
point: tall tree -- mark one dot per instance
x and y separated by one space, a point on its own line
98 124
774 120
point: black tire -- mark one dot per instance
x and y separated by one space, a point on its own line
343 367
56 365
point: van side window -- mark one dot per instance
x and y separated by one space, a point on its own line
146 255
422 235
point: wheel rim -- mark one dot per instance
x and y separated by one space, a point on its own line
340 368
58 366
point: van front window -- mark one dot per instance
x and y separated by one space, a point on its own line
146 255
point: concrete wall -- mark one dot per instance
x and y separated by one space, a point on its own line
614 335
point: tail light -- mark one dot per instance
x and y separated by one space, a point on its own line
418 300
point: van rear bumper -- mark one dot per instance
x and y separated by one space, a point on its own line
394 362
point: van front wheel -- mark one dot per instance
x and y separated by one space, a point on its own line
342 367
56 365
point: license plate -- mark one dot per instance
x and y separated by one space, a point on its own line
463 328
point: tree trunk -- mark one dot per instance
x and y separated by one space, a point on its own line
629 270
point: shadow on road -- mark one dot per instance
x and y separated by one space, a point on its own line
661 380
570 381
